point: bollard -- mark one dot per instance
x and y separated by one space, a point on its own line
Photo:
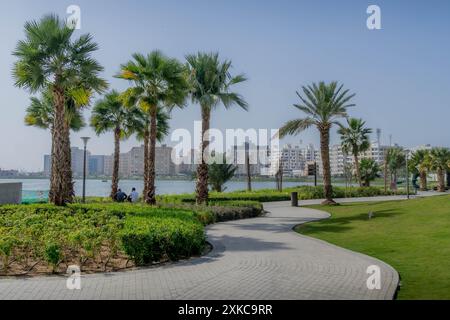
294 199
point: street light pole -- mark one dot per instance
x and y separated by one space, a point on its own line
407 174
85 141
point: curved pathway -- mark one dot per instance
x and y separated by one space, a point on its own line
253 259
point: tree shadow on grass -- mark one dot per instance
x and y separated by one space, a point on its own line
342 224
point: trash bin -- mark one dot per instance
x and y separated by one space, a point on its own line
294 199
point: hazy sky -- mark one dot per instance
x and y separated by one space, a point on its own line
401 74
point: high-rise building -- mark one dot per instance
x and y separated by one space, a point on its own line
96 165
339 160
77 156
293 159
132 163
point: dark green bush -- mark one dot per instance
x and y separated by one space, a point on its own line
150 240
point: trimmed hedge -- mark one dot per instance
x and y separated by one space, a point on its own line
270 195
45 234
149 240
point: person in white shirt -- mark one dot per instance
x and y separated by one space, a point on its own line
134 196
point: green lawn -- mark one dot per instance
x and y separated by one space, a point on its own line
412 236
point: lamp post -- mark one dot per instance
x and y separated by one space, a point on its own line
85 141
407 173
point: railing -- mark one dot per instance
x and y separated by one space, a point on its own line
33 196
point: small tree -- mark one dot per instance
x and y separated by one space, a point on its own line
219 175
370 170
395 161
440 158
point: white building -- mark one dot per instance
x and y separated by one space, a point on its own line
293 159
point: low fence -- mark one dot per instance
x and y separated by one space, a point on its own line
33 196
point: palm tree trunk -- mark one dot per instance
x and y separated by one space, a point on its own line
146 159
202 170
358 170
61 184
325 151
423 181
116 164
151 188
385 174
441 180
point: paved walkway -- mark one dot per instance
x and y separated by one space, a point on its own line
252 259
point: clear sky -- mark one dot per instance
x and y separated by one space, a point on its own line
401 74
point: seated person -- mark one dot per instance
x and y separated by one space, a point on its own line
121 196
134 196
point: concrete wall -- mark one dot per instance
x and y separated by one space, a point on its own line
10 193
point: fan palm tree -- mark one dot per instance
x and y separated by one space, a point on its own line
439 161
370 170
48 58
395 161
40 114
420 164
143 134
158 82
109 114
323 104
211 82
355 139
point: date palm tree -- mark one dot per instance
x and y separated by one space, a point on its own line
143 134
323 104
440 160
420 164
109 114
211 82
158 82
355 139
49 58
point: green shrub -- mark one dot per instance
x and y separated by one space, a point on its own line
150 240
95 232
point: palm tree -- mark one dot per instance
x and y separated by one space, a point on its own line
109 114
439 161
370 170
395 161
40 114
323 105
220 174
420 164
355 140
143 134
48 58
210 81
158 82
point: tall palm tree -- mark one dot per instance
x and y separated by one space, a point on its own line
323 104
109 114
158 82
49 58
355 139
420 164
440 161
211 82
143 134
395 161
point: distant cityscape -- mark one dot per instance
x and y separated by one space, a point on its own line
295 160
